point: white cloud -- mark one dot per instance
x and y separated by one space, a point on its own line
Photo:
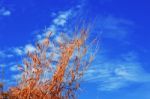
14 68
5 65
9 55
113 27
18 51
59 39
23 50
30 48
16 77
109 26
41 36
61 19
116 74
52 28
4 12
5 54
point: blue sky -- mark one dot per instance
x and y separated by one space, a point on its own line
121 68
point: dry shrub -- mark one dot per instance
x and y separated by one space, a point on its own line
55 69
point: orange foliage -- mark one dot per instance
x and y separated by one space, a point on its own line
64 74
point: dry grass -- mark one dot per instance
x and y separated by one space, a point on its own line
65 73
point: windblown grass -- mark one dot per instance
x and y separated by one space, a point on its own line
64 74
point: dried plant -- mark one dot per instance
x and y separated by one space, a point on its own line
55 69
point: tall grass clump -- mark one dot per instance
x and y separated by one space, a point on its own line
54 70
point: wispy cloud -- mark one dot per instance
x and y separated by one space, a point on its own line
57 24
18 50
16 77
61 19
113 27
23 50
6 65
117 73
4 12
13 68
29 48
5 54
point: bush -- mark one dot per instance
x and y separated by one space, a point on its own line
54 70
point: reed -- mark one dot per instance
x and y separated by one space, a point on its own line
64 74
